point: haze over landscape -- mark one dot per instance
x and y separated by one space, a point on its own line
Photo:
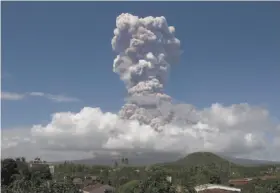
145 50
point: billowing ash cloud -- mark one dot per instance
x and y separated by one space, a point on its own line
146 48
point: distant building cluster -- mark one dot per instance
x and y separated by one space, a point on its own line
91 184
37 162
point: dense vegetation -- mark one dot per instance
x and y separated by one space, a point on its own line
18 177
194 169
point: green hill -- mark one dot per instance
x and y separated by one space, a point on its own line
212 162
201 158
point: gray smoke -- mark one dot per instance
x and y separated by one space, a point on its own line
146 48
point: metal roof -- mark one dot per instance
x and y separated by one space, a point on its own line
216 186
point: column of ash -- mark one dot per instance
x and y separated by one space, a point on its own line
146 48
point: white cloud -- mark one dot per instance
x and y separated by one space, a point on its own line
55 98
11 96
240 130
52 97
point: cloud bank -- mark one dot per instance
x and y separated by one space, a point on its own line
149 121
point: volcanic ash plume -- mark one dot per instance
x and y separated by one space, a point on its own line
146 48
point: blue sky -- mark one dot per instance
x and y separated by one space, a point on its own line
231 55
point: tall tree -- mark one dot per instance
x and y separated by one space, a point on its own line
8 169
23 159
126 161
116 164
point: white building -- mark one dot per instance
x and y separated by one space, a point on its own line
51 169
215 187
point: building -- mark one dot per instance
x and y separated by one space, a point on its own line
215 188
51 169
78 182
169 179
99 188
37 165
237 182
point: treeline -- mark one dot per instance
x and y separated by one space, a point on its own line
18 177
127 179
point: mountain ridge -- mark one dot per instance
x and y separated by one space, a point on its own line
160 158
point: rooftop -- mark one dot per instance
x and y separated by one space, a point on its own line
216 188
98 188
